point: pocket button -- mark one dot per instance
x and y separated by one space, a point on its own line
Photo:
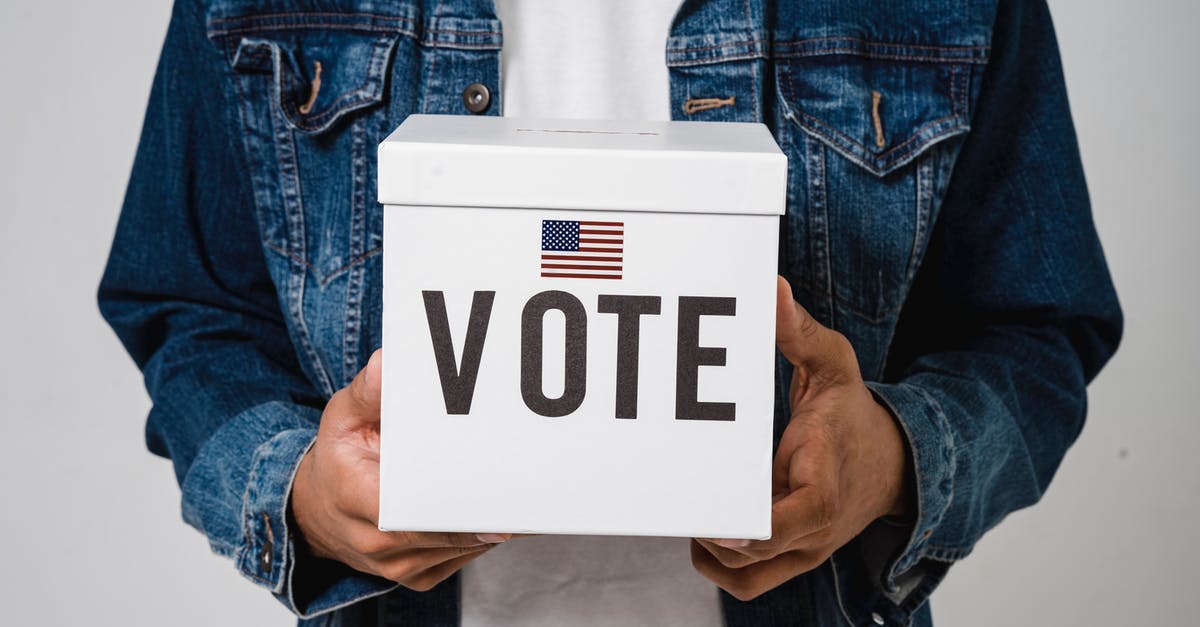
477 97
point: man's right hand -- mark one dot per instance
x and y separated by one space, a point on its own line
335 498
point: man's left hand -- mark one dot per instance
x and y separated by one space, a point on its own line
840 465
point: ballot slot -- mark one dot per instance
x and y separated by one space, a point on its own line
578 328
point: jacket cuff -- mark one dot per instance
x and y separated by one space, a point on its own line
266 554
269 555
911 571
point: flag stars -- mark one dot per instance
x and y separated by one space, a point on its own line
560 235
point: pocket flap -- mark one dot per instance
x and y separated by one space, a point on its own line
322 76
878 113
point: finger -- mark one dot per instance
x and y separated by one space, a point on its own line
358 491
801 338
368 540
409 565
356 406
728 556
431 577
750 581
803 513
798 520
366 387
436 539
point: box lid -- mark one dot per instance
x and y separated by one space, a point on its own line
475 161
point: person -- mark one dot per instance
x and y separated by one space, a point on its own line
943 302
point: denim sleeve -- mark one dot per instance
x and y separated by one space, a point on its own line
1011 315
186 290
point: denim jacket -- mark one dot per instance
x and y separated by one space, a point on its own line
937 216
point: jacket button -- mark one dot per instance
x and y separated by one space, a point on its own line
264 557
268 547
477 97
876 618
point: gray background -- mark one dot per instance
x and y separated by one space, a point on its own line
90 528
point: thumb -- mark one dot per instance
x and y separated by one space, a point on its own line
358 403
801 339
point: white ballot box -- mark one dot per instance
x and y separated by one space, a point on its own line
578 326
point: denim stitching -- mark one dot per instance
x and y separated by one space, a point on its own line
872 55
323 281
855 45
859 39
797 279
864 48
785 87
924 189
729 44
249 548
302 14
243 108
371 92
348 27
354 279
428 91
754 76
890 156
458 46
470 33
289 176
820 244
728 59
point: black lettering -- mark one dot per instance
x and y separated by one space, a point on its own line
458 383
690 356
575 378
629 310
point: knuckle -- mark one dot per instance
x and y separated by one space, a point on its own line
342 500
358 391
763 550
460 551
808 325
423 583
407 539
336 406
730 559
845 350
371 543
459 540
823 515
402 571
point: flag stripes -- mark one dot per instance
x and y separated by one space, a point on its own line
582 249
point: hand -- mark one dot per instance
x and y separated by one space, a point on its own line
335 498
841 464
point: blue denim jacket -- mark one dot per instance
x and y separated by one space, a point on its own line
942 225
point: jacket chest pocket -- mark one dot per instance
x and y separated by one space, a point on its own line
871 137
314 97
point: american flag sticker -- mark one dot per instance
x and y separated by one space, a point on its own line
582 249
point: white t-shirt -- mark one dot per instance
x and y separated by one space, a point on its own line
587 59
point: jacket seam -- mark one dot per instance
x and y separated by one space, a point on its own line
324 281
974 54
293 14
313 25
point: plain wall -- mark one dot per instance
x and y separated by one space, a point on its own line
90 530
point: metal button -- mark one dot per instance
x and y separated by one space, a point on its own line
264 557
268 547
876 618
477 97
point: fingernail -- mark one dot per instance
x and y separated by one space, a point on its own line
493 538
732 544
